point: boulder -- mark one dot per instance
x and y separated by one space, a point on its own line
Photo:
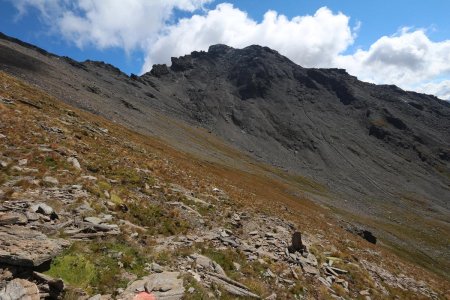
55 285
3 164
156 268
231 286
310 269
32 216
75 163
206 264
11 218
93 220
145 296
164 286
51 180
23 162
20 289
297 244
21 246
42 208
360 230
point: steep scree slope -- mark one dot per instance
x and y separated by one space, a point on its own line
357 138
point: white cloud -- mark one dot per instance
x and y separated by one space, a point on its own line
408 58
440 89
108 23
118 23
308 40
47 8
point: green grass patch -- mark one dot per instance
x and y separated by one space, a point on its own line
75 269
103 185
50 162
157 219
116 199
3 177
200 293
127 176
94 267
224 258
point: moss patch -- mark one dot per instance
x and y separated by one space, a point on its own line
75 269
97 267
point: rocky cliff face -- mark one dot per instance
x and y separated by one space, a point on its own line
359 139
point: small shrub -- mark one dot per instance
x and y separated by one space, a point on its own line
103 185
127 176
155 218
50 162
200 293
116 199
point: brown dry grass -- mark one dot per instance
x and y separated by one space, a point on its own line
105 154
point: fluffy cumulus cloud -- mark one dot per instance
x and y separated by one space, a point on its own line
130 24
407 58
308 40
117 23
440 89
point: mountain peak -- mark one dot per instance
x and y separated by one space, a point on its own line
219 49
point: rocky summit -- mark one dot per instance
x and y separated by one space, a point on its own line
231 174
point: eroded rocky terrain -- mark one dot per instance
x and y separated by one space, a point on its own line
374 154
91 210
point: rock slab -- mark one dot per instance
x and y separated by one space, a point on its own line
165 286
20 289
21 246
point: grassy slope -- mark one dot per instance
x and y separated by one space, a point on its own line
119 152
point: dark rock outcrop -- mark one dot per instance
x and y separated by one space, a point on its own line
360 230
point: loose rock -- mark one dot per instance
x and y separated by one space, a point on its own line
21 246
42 208
165 286
20 289
51 180
297 244
11 218
75 163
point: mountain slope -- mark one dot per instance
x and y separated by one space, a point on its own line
125 206
359 139
374 154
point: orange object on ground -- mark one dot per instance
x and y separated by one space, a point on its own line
144 296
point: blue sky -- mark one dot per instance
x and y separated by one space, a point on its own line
349 34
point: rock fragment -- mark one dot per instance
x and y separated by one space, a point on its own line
231 286
75 163
164 286
297 244
10 218
51 180
20 289
42 208
21 246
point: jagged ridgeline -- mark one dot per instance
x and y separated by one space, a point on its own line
195 179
